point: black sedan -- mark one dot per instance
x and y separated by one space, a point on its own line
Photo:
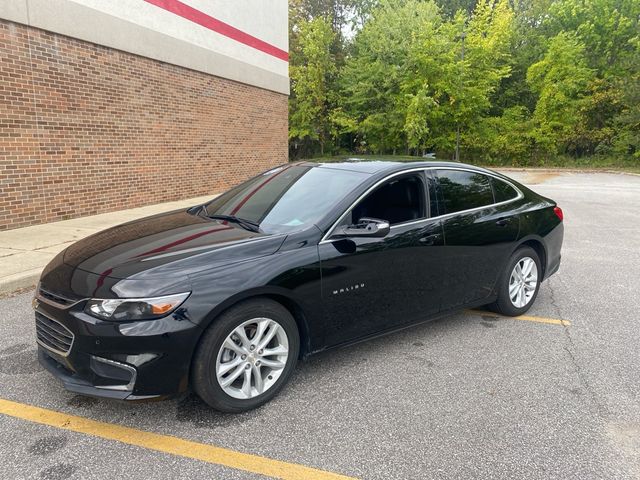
225 297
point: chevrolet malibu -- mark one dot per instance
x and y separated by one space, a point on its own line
225 297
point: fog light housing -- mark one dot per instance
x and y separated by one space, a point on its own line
123 375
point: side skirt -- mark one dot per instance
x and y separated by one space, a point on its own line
390 331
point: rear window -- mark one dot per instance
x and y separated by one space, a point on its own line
462 190
503 191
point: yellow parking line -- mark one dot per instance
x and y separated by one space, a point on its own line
167 444
528 318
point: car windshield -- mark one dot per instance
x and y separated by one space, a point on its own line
286 198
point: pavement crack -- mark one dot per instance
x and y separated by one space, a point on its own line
554 304
571 349
52 246
13 251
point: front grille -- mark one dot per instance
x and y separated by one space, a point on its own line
53 335
56 298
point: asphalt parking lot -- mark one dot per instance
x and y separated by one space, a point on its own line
467 396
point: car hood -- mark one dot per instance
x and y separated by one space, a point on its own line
166 245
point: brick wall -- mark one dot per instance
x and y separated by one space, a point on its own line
86 129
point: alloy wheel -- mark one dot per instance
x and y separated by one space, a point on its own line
252 358
523 282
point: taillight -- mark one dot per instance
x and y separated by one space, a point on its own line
558 212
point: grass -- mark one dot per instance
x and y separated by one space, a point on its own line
593 163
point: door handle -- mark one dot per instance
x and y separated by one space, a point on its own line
429 240
503 222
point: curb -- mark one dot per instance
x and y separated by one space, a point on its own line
18 281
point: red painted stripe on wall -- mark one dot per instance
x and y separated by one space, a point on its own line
196 16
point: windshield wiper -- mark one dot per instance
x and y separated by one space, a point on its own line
243 222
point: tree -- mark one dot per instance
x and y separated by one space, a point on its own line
626 125
607 29
515 80
458 68
452 7
374 73
311 73
562 80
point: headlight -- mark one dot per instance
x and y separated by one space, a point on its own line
124 309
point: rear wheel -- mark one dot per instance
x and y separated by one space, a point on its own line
519 283
246 356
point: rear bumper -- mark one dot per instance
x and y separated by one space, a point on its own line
553 268
124 361
553 244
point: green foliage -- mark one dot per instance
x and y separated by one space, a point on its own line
373 76
626 124
561 80
520 81
605 27
310 79
458 67
508 136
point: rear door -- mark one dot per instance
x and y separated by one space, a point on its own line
480 234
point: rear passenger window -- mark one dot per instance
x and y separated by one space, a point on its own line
503 191
464 190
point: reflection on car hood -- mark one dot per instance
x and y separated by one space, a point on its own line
167 244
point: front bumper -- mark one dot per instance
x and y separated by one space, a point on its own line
76 383
125 361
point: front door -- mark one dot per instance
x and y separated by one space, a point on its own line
370 285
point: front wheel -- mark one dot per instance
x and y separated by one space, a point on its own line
519 283
246 356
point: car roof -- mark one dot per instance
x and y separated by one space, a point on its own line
376 166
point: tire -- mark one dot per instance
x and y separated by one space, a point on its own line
504 303
213 356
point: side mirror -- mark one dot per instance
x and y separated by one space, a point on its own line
366 227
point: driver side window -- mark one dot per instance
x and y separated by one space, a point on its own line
399 200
